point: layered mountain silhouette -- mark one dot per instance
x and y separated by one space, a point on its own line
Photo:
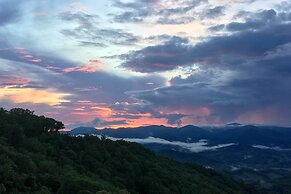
256 154
36 158
240 134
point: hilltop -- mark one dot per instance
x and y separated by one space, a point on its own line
36 158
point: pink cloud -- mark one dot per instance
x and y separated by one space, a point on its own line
27 56
13 80
91 67
35 60
53 67
22 51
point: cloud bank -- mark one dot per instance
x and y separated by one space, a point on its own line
200 146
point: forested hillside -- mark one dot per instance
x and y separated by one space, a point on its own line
35 158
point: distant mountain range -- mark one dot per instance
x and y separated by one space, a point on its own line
35 158
232 133
256 154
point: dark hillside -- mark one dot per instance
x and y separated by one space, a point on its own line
35 158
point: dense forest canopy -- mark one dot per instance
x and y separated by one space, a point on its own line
35 158
26 120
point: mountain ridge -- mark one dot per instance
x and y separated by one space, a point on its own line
36 158
243 151
250 134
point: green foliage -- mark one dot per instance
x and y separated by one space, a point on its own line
35 158
19 122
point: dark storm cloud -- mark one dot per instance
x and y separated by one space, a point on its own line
239 74
255 21
195 96
259 20
219 50
89 33
227 98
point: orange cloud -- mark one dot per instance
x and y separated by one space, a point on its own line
102 112
31 95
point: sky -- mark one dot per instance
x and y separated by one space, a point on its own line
129 63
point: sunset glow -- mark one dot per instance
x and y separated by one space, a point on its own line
122 63
29 95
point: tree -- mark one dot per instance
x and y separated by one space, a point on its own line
19 120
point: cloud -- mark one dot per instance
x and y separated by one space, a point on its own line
214 12
35 58
141 110
7 80
89 33
214 95
9 11
163 12
199 100
91 67
56 75
238 72
256 21
99 123
216 28
31 95
200 146
251 21
276 148
246 72
218 50
172 119
102 86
